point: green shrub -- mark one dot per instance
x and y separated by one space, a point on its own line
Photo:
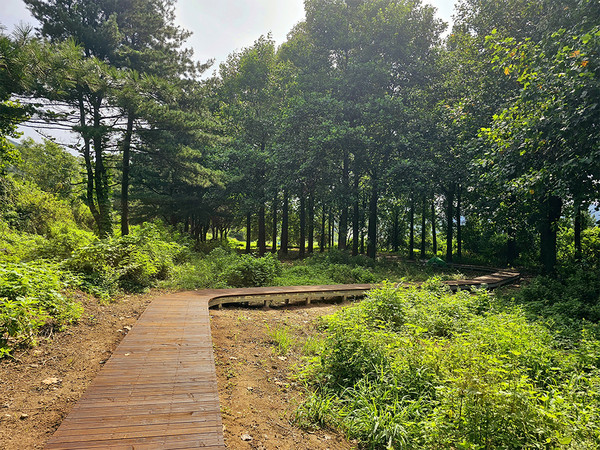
570 302
20 320
207 247
62 240
303 275
17 246
26 208
590 248
223 268
133 262
345 274
30 297
333 267
424 369
248 270
194 274
335 256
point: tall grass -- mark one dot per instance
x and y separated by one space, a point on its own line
424 369
282 337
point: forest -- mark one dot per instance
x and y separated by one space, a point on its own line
374 129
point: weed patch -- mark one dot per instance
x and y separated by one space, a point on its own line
30 298
425 369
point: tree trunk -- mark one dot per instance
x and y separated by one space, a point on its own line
450 227
285 224
549 230
89 168
511 248
125 180
343 229
362 243
331 229
578 229
302 243
423 227
248 232
274 233
323 224
411 241
343 225
262 231
204 228
372 237
433 233
101 175
355 219
458 225
311 223
396 230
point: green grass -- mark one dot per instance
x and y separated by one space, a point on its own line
282 338
337 267
424 369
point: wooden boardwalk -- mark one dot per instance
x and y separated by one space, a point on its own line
159 388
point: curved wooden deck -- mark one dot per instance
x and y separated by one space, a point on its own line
159 388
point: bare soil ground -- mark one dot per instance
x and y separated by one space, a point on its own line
39 387
257 391
257 387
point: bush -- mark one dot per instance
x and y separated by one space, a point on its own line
223 268
133 262
17 246
26 208
247 270
333 267
590 248
30 297
426 369
62 240
335 256
345 274
569 301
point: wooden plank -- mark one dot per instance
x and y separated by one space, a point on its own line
158 389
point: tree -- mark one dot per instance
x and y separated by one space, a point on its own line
18 65
375 53
546 141
49 166
134 36
250 92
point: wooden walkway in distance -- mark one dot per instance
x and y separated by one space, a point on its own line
159 388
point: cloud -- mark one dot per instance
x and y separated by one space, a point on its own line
223 26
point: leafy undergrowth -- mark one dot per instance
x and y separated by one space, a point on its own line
32 297
47 250
339 267
425 369
223 267
34 293
566 303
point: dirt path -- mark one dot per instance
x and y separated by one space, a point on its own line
40 388
257 390
258 395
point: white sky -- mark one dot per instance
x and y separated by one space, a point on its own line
219 26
